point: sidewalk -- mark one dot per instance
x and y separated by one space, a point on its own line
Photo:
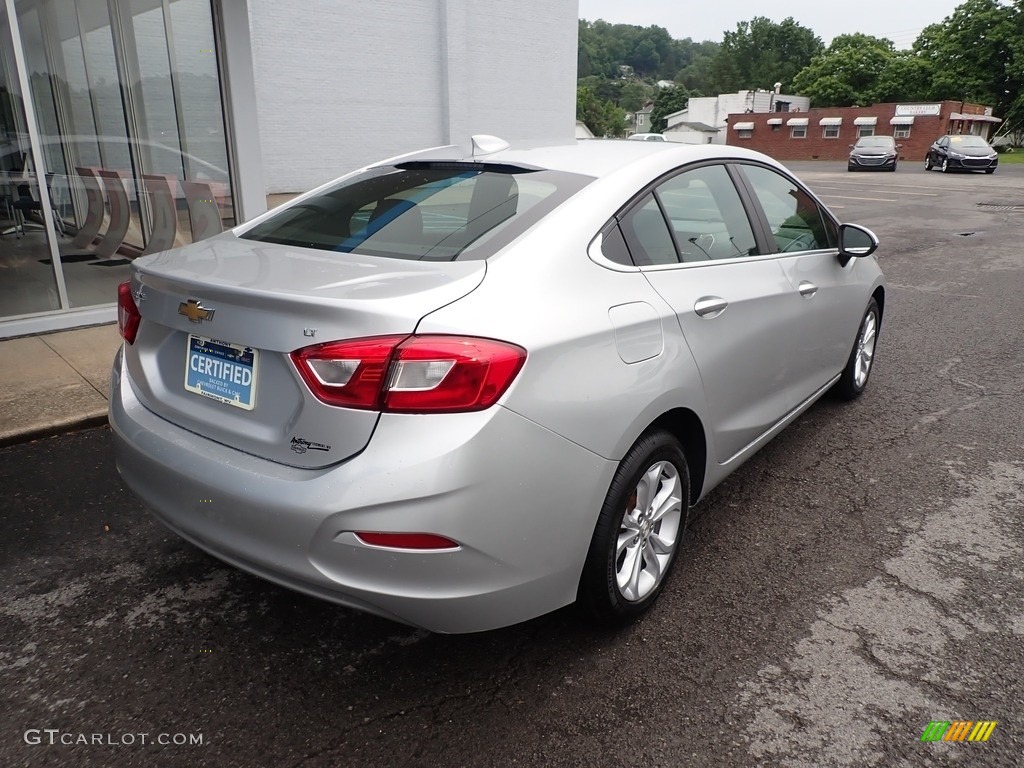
55 382
58 382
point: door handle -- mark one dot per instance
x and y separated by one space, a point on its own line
807 289
710 306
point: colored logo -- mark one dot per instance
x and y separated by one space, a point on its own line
958 730
195 311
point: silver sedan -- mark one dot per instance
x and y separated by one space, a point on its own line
463 388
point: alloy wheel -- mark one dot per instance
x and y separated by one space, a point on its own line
649 531
865 350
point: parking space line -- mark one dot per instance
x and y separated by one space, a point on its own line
920 194
875 199
809 179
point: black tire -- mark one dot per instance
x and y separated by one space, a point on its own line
850 384
599 594
893 169
928 162
945 165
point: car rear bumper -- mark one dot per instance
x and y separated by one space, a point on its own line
521 500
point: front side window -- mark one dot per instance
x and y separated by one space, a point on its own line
707 217
796 221
431 211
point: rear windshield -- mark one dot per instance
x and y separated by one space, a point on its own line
422 211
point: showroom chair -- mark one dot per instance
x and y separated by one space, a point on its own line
27 202
95 211
203 210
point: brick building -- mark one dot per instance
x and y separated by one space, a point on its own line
826 133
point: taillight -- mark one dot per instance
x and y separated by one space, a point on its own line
411 374
128 317
347 373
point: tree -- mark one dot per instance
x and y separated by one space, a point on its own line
650 51
668 101
633 95
977 54
697 75
602 117
760 52
906 77
854 69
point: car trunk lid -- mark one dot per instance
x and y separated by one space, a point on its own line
220 318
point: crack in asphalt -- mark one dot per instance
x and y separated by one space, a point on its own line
819 706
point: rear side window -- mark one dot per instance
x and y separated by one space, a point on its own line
648 235
423 211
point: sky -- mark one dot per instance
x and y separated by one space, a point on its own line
901 22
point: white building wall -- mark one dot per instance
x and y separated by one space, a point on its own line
520 66
713 110
682 134
342 84
703 109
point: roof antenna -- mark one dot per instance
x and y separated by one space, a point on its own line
483 144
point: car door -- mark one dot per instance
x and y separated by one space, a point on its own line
830 301
693 240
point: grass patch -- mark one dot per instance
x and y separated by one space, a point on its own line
1016 157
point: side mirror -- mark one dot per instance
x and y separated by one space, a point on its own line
855 240
899 146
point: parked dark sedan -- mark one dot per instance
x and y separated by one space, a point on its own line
873 153
967 153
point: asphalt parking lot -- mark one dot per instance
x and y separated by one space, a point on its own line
859 578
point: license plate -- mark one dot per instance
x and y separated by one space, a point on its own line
221 371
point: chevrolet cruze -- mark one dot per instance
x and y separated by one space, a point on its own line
465 387
874 153
961 153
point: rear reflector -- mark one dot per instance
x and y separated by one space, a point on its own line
406 540
410 374
128 316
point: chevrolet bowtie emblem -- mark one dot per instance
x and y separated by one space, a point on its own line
195 311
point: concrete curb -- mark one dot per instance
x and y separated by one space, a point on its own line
57 427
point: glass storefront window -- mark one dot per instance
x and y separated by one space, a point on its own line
126 96
28 276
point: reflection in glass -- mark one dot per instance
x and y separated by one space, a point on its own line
128 102
28 282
